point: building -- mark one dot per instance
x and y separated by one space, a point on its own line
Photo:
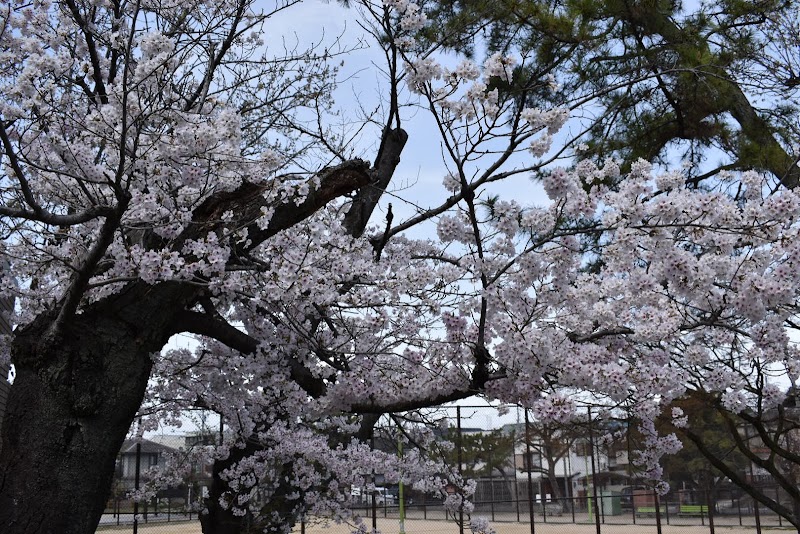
563 465
200 474
150 454
161 451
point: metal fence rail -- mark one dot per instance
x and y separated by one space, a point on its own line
576 511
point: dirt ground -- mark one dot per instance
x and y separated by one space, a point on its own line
418 526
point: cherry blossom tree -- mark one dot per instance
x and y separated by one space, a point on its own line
162 176
141 144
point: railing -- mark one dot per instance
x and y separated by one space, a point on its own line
612 510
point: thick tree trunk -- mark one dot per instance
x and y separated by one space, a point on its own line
277 514
218 519
71 405
552 476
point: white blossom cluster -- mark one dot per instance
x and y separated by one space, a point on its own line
412 18
480 525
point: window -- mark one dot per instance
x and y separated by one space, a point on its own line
582 448
532 460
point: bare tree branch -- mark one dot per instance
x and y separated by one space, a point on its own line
224 332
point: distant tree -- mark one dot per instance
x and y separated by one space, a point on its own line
690 466
550 442
481 454
729 443
714 84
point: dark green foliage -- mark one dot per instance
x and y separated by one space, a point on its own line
716 86
690 467
481 452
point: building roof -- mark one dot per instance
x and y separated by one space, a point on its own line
148 447
174 441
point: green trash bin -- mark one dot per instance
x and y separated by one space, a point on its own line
611 503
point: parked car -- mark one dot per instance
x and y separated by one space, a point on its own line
383 497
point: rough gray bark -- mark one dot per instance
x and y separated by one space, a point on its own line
6 307
71 406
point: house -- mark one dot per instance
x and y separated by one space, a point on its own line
159 451
569 468
559 459
186 441
150 453
199 475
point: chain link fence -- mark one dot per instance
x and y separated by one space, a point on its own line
156 516
529 477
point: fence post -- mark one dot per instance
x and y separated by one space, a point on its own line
374 501
738 509
400 494
594 471
757 512
460 473
602 509
542 494
529 464
630 466
491 483
516 482
710 508
752 479
136 487
572 505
